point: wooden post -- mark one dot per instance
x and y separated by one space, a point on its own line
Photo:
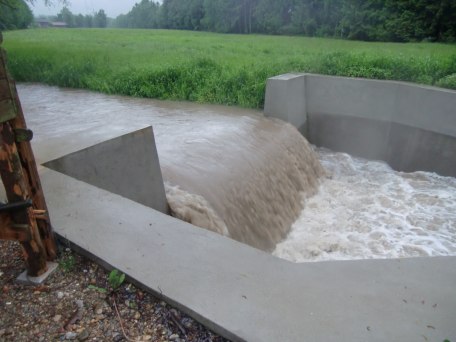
21 181
36 192
16 191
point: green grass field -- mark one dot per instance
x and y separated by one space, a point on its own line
208 67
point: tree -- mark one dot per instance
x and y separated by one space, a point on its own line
145 14
272 15
100 19
15 15
79 20
222 15
66 16
88 21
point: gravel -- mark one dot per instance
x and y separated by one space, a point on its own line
76 304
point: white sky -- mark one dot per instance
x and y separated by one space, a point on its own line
112 7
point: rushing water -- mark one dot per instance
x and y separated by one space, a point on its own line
248 177
364 209
246 183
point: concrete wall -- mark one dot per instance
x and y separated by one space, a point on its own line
127 165
409 126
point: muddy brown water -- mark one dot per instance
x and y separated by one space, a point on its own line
254 179
226 169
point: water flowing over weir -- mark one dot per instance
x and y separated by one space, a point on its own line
253 177
226 169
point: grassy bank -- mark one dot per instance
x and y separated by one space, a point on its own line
207 67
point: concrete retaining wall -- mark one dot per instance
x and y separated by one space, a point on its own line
409 126
127 165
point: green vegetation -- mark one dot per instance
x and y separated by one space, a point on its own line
371 20
67 262
208 67
115 280
14 15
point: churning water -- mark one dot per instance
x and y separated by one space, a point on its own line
249 178
364 209
247 184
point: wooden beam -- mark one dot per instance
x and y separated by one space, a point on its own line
30 171
16 188
31 225
9 231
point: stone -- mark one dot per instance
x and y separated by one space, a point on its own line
70 335
83 335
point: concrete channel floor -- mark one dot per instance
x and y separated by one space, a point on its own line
242 293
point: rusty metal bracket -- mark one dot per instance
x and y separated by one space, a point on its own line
8 207
21 134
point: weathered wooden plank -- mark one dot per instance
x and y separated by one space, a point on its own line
9 231
33 180
3 72
5 93
7 110
16 188
31 226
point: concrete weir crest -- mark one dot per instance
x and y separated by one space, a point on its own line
242 293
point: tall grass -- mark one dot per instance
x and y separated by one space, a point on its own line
207 67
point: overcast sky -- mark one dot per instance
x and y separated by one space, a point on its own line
112 7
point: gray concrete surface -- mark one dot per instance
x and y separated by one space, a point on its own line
248 295
409 126
240 292
24 279
127 165
284 99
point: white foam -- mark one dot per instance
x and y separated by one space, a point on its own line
194 209
367 210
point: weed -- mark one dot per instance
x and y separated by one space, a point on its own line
115 279
67 262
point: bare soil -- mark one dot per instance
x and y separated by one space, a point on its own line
76 303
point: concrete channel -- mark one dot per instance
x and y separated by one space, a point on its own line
245 294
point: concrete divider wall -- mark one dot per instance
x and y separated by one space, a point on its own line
127 165
409 126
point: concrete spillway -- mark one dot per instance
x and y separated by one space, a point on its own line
240 292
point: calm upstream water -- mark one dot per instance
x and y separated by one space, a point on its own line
259 181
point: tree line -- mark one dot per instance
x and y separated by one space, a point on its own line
98 19
370 20
16 14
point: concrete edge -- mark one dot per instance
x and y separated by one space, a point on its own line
159 294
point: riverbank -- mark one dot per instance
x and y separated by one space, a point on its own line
208 67
71 305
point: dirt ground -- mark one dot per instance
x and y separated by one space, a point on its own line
77 303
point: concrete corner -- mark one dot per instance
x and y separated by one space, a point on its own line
286 99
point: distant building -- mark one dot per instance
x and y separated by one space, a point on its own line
60 24
43 23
